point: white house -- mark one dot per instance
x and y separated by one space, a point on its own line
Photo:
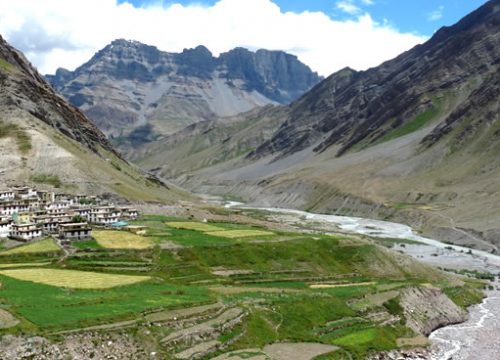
5 227
6 195
75 231
25 232
104 215
62 204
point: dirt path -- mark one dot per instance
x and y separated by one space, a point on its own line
231 290
297 351
331 286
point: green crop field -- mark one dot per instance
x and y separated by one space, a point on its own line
57 307
23 265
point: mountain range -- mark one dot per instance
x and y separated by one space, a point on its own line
138 93
415 140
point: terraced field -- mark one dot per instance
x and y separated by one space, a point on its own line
111 239
38 247
221 290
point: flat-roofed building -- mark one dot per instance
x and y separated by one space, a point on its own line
25 232
50 223
128 213
104 215
75 231
25 192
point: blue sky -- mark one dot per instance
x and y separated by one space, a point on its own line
327 35
422 17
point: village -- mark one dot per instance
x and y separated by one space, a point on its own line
27 214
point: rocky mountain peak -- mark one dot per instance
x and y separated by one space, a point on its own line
198 62
173 90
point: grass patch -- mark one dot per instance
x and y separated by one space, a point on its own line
111 239
190 238
87 244
232 234
22 139
360 343
415 124
52 180
5 66
464 296
39 247
74 279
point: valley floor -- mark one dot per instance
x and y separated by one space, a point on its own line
237 283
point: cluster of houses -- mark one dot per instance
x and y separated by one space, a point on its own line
27 214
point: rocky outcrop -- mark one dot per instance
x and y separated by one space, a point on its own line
427 308
129 85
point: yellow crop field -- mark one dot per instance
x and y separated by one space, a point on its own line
239 233
73 279
188 225
111 239
43 246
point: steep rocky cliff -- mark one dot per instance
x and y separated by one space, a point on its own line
137 92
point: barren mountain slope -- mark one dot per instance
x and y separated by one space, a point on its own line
45 140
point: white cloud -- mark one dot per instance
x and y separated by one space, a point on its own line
368 2
61 33
436 14
348 7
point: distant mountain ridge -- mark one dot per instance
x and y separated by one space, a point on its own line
133 85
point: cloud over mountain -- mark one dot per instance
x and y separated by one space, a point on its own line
57 33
